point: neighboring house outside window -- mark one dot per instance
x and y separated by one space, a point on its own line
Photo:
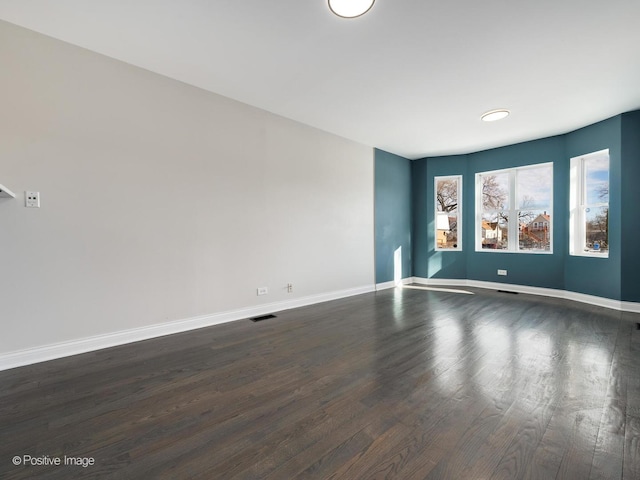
513 209
536 232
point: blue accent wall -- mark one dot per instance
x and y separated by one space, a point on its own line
537 270
603 277
420 253
599 276
401 184
524 269
429 262
630 277
393 215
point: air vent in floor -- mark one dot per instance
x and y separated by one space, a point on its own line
262 317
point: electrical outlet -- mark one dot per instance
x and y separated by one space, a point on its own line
32 199
502 272
289 287
263 290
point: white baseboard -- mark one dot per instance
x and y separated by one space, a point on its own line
444 282
393 284
547 292
633 307
98 342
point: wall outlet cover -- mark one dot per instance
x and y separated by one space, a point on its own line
32 199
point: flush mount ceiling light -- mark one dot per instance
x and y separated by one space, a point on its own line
493 115
350 8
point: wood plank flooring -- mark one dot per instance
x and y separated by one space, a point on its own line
409 384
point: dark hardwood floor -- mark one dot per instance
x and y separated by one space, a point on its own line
410 384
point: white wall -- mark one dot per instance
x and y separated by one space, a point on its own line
160 201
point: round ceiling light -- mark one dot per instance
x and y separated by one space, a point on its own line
493 115
350 8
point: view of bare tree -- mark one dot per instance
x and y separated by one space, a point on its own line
447 195
525 215
447 208
601 222
598 227
603 192
493 195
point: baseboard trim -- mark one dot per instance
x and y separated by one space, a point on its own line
443 282
547 292
83 345
633 307
74 347
393 284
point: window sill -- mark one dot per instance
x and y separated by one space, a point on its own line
523 252
590 255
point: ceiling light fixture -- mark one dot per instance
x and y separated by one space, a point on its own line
493 115
350 8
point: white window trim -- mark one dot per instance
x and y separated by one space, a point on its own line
458 179
576 205
513 195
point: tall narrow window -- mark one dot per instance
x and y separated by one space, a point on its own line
589 205
513 209
448 212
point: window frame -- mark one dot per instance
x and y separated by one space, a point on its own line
459 224
578 205
513 232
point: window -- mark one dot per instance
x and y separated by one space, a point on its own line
513 209
589 205
448 212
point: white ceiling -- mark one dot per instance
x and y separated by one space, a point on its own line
411 77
